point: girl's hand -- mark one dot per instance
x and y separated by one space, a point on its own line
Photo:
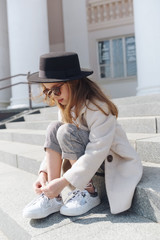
40 182
54 188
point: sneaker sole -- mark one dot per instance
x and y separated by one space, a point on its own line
66 212
32 216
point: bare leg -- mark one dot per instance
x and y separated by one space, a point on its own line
90 187
54 163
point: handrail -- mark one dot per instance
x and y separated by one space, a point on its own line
11 85
17 75
14 84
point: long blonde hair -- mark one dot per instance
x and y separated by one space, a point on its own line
80 91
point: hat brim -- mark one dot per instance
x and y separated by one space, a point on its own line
34 77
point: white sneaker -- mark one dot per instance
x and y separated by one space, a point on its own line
80 203
41 207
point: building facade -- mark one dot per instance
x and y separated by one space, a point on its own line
118 39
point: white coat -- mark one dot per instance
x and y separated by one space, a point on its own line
107 141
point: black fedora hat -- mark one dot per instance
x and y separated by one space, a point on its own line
59 67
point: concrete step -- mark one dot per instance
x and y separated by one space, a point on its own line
147 196
2 236
149 149
140 124
41 117
27 155
137 99
38 125
130 125
146 145
20 116
139 110
98 223
48 110
30 136
148 105
20 155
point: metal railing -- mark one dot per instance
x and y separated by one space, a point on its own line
21 82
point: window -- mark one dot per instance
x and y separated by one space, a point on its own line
117 58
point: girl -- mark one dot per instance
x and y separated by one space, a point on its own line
86 135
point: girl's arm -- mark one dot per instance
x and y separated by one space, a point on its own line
102 131
43 166
55 187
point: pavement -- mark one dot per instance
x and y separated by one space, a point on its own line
21 152
16 191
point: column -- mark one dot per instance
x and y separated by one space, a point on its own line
147 33
28 39
75 29
4 56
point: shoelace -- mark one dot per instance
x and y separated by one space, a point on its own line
40 199
45 200
77 194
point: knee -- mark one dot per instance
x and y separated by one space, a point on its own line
64 132
53 128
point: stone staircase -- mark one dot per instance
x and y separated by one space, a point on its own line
21 151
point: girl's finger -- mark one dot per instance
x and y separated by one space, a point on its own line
43 189
38 191
43 183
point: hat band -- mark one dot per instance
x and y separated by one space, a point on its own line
59 74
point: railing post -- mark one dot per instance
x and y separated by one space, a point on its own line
29 91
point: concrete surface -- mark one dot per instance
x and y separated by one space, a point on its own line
138 124
2 236
35 137
137 99
21 155
22 147
147 196
16 191
149 149
41 117
158 124
139 110
38 125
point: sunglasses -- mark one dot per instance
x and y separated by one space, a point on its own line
55 90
